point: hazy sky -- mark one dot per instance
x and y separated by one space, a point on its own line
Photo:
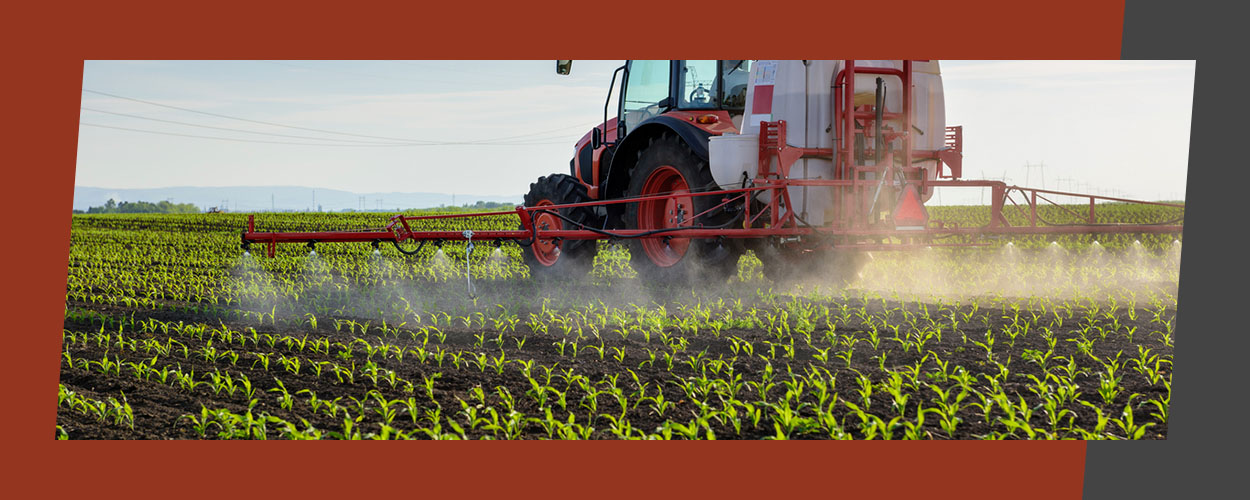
377 126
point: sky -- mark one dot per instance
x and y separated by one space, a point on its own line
493 127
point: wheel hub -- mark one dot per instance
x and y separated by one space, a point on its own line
547 251
665 213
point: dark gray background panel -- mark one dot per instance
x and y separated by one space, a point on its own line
1202 455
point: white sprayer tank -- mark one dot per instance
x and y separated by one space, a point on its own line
802 95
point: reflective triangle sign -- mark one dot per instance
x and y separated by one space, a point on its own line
910 212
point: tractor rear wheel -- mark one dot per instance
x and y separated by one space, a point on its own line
668 166
560 258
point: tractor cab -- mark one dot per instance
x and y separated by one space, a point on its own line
690 99
653 88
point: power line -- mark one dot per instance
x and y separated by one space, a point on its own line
238 129
229 138
311 143
272 124
579 127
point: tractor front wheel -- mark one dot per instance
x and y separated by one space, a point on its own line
552 257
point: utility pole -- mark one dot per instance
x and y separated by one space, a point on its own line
1065 184
1041 167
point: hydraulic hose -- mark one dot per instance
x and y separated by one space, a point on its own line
627 236
406 252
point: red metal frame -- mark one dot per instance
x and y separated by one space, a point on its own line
853 226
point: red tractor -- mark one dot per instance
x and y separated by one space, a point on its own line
657 143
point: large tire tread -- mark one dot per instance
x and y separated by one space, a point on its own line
576 256
707 261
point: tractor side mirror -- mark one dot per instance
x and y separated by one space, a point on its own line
596 138
564 66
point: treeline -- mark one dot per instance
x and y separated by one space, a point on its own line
490 205
142 207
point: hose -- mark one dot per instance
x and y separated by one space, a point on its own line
627 236
406 252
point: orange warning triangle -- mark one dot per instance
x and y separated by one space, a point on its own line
909 211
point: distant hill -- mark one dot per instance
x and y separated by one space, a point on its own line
281 198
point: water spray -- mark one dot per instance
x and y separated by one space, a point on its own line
497 256
1176 253
438 252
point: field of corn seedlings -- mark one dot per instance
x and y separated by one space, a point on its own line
172 332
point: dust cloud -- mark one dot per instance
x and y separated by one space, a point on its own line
1011 272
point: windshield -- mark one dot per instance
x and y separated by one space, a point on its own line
712 84
645 87
699 85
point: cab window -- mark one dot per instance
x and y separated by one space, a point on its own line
646 86
734 76
699 85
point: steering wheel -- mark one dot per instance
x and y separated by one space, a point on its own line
700 95
642 114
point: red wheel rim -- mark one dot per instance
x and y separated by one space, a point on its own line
546 251
677 211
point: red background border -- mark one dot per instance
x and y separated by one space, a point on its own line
45 49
